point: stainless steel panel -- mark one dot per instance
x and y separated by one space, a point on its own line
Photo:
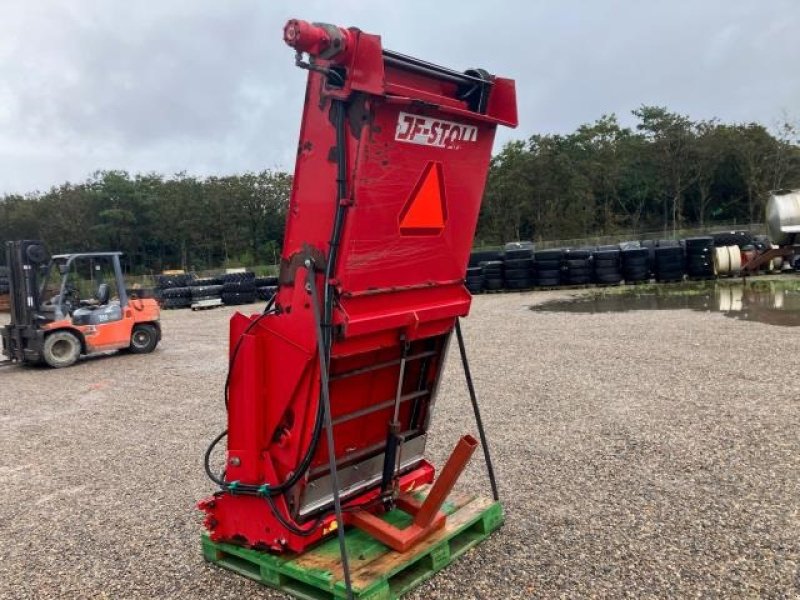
358 477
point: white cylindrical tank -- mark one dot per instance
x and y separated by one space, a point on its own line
783 217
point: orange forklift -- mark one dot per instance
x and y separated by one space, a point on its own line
70 305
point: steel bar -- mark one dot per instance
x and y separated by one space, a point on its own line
325 399
446 480
478 421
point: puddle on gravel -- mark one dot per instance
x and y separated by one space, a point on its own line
773 302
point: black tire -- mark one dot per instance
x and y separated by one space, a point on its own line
266 281
234 298
547 255
202 281
547 265
732 238
612 278
518 284
237 277
476 258
629 258
669 263
577 254
549 274
578 279
631 253
699 242
265 292
144 339
474 271
176 302
174 281
239 287
669 276
636 275
607 253
579 272
548 282
206 291
177 292
493 284
580 263
4 272
4 289
519 263
517 274
61 349
518 254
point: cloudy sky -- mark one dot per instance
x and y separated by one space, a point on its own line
208 87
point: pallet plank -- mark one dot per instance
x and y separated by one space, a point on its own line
378 573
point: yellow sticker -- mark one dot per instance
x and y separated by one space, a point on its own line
331 527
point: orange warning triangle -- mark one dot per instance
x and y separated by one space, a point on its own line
425 211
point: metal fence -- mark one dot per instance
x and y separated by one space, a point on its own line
603 240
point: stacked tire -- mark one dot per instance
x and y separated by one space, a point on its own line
608 265
265 287
732 238
668 265
239 288
4 287
547 267
174 291
635 264
482 256
576 268
700 257
492 273
208 288
474 280
651 253
518 268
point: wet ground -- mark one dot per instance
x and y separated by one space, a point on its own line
775 301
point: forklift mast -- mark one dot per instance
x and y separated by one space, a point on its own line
391 164
24 259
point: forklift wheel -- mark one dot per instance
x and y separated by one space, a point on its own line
61 349
144 339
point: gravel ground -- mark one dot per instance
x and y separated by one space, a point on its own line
639 454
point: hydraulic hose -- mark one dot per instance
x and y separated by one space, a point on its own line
328 300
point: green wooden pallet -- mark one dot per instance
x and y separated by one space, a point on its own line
377 572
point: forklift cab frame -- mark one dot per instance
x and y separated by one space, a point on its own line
64 262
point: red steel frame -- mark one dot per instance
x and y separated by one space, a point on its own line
396 293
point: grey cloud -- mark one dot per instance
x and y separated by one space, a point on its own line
208 87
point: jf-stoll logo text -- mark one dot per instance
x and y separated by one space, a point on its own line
428 131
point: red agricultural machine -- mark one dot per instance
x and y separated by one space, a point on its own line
330 391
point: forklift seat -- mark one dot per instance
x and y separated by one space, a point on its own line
97 315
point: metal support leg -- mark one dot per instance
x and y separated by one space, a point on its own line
325 399
474 399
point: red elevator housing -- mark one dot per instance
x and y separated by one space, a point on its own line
391 165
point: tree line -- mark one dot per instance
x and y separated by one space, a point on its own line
666 173
159 223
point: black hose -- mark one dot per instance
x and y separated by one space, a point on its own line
338 223
291 526
336 234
